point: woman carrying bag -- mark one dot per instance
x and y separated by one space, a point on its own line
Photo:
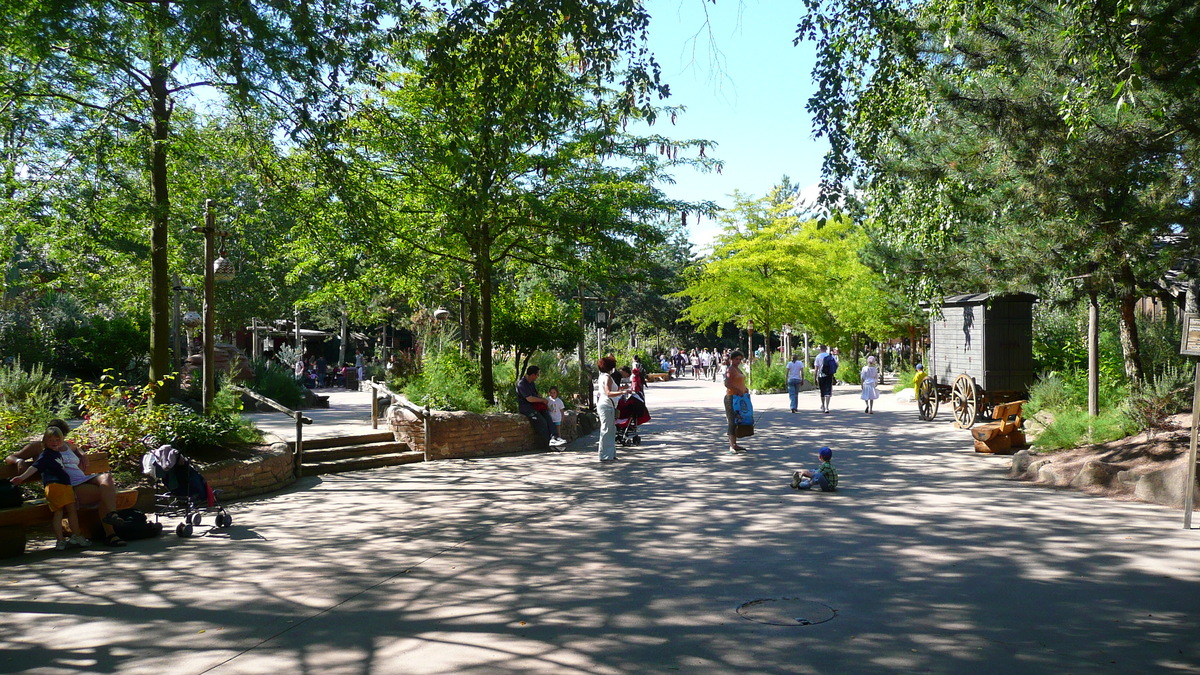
607 394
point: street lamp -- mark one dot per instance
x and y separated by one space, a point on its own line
601 324
750 341
221 270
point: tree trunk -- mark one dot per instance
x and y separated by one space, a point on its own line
343 337
1191 302
1131 346
483 266
160 282
473 324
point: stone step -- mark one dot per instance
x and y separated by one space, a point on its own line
389 447
340 441
360 463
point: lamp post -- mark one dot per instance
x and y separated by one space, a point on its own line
750 341
218 269
601 326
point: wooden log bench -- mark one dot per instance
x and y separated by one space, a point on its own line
657 377
16 520
1003 434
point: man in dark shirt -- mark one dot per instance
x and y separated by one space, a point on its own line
532 405
322 365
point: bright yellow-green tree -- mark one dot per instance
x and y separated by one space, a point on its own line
770 267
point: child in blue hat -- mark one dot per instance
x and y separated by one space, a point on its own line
825 477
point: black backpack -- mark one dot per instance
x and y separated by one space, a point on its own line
10 495
136 525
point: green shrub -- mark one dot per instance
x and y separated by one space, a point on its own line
848 373
1049 392
555 372
1056 391
1151 403
28 401
119 418
904 377
277 382
1072 427
763 376
448 381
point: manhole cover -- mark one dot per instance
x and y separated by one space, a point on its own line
787 612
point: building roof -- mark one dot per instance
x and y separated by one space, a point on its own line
981 298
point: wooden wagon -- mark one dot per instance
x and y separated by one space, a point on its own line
981 354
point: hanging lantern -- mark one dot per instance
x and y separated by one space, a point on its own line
191 319
223 270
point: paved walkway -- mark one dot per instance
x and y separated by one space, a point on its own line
553 563
348 414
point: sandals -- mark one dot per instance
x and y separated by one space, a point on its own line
114 541
111 518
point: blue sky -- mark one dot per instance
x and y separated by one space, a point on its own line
750 100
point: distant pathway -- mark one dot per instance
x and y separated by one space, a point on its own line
927 561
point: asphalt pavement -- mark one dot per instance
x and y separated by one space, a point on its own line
678 558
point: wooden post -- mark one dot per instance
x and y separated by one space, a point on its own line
1189 490
374 405
1191 347
299 441
210 366
1093 355
425 425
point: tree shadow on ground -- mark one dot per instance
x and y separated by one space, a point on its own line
555 563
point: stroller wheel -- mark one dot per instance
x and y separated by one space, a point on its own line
637 440
224 520
196 519
183 530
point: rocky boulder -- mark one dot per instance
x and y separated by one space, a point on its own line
1094 473
1165 487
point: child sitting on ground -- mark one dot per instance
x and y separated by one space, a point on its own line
825 477
59 493
556 414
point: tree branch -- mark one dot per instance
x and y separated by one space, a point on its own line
92 106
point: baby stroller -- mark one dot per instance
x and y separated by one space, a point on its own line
631 412
182 491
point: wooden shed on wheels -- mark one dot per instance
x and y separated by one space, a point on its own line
981 354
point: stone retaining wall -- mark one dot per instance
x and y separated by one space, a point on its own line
247 477
461 434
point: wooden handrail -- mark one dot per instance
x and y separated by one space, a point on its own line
301 420
397 399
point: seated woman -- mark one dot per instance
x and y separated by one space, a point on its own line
90 489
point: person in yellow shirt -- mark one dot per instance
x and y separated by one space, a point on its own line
919 378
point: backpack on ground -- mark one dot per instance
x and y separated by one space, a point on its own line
10 495
136 525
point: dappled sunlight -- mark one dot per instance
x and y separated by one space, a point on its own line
554 563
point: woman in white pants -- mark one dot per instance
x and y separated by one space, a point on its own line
607 394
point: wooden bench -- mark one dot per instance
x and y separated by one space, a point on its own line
1003 434
16 520
657 377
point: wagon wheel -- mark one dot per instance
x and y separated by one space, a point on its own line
927 400
986 406
965 398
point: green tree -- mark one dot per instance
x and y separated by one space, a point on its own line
129 62
502 163
984 162
538 322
